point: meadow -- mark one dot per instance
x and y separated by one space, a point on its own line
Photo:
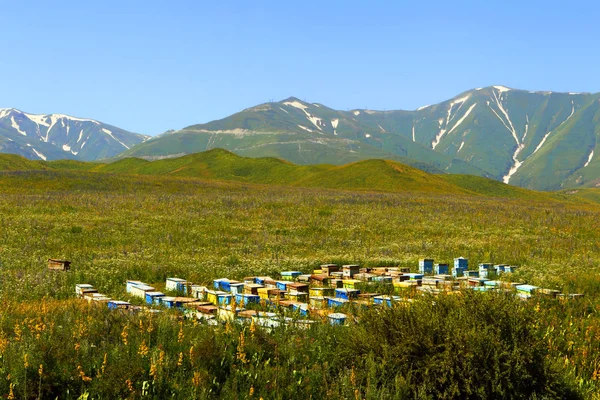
115 227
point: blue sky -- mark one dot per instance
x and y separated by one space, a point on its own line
150 66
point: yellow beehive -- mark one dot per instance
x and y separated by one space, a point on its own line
350 283
317 271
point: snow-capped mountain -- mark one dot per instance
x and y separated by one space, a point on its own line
539 140
58 136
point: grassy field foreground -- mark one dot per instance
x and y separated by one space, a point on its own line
118 227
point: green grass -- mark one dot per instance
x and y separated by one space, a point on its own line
114 226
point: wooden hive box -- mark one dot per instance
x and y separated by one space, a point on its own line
58 265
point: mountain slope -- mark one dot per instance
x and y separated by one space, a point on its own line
58 136
496 131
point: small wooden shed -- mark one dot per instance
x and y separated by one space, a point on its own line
58 265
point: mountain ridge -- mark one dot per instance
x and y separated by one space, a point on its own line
61 136
494 131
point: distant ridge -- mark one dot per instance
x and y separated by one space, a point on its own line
59 136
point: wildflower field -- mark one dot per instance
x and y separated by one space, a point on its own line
115 227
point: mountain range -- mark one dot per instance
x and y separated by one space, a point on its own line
58 136
536 140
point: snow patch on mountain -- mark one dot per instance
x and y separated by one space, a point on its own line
502 89
37 153
589 159
109 133
16 126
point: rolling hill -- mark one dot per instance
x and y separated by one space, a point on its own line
367 175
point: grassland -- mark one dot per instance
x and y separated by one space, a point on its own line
150 226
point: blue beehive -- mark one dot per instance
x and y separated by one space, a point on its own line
301 308
281 285
426 265
441 269
471 274
386 300
484 269
218 282
150 296
347 294
224 299
245 299
115 304
333 302
236 288
414 277
290 275
461 263
458 272
337 318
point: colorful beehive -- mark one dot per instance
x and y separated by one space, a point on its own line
140 290
249 280
282 285
334 302
261 279
304 278
530 289
130 284
317 302
80 287
217 283
322 279
405 286
347 294
336 283
118 304
150 296
224 299
245 299
509 269
471 274
236 288
213 296
461 263
208 309
297 296
386 300
329 268
199 291
364 276
473 282
337 318
500 268
298 287
321 292
493 284
301 308
367 298
101 298
317 272
252 288
175 285
382 279
290 275
350 283
414 277
270 283
348 271
442 269
430 282
426 265
269 293
58 265
226 314
485 269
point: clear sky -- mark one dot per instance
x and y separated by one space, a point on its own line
148 66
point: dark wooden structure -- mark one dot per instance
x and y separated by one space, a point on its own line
59 265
